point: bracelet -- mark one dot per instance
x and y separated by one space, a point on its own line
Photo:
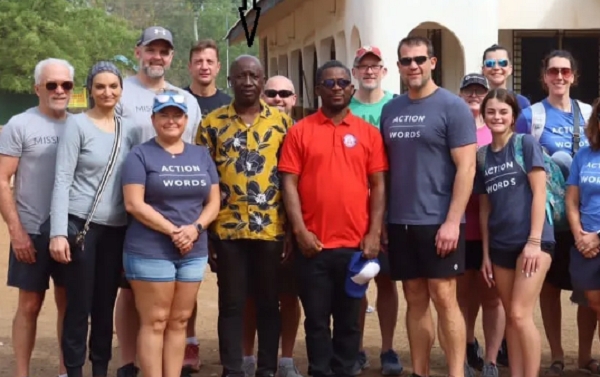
534 241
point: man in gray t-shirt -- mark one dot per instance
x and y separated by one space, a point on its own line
28 144
154 51
431 139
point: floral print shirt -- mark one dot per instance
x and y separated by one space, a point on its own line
246 159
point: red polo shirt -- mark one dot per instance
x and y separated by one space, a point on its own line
333 164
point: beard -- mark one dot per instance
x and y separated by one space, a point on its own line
154 72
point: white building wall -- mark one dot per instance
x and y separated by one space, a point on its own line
468 28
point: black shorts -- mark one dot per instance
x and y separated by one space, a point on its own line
288 278
124 283
558 274
473 255
35 277
508 258
585 272
413 255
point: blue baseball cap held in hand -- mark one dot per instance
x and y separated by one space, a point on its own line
360 272
169 99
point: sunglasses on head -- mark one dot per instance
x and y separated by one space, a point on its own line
331 83
66 85
491 63
405 62
272 93
164 98
554 71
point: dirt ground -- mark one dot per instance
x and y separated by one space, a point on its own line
45 361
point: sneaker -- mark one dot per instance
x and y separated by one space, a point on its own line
249 368
502 358
288 371
191 360
474 358
390 363
469 372
489 370
128 370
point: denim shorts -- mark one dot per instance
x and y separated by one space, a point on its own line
190 270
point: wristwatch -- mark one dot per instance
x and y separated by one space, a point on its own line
199 228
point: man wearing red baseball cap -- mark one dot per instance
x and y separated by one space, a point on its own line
367 102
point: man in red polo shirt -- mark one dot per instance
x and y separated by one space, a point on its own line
329 161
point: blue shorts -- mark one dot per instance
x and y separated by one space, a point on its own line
141 268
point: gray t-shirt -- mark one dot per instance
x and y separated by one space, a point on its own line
82 156
510 195
419 135
33 138
136 105
176 186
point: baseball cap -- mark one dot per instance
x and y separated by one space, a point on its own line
360 272
474 79
169 99
155 33
365 50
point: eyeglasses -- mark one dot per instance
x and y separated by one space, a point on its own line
405 62
365 68
272 93
477 91
491 63
331 83
66 85
164 98
554 71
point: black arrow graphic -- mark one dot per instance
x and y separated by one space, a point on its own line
250 34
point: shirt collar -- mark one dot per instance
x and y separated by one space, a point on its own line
265 110
322 119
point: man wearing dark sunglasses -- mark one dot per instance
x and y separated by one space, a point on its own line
367 102
333 165
279 92
28 146
497 68
430 135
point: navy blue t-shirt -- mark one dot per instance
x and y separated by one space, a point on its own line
176 186
419 135
509 193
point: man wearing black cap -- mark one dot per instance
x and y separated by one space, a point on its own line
154 51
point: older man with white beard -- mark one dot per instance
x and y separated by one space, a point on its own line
154 51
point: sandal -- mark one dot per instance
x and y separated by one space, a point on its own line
592 367
556 369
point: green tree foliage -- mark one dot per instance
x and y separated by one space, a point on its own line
32 30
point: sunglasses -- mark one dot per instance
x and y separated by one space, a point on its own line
66 86
272 93
331 83
554 71
405 62
164 98
491 63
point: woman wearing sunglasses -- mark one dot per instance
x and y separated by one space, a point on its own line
88 219
171 189
558 123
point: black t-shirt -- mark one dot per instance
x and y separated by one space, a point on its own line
209 104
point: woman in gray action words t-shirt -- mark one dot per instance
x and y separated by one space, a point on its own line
94 266
518 241
171 189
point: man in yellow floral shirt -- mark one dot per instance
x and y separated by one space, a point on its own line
244 139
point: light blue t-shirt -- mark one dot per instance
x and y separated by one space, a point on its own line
509 192
176 186
419 135
585 174
558 130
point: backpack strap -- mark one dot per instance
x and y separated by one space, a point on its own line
538 120
518 144
586 111
481 153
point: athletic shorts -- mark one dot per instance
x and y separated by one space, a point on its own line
558 274
507 258
413 255
473 255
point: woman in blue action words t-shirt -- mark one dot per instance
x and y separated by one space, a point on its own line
518 241
583 211
171 189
